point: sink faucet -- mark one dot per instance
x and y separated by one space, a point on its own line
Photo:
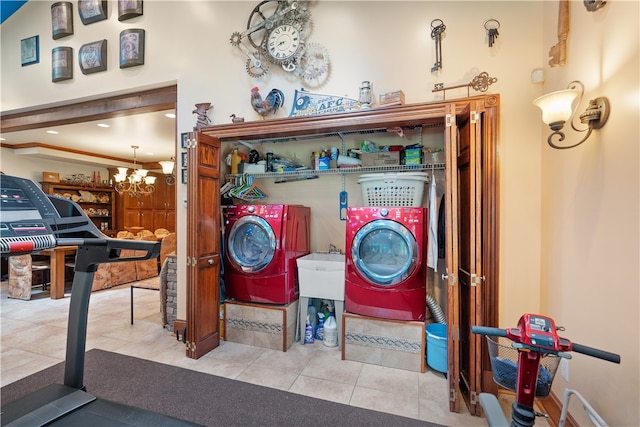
333 249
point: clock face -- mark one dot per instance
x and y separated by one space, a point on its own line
283 42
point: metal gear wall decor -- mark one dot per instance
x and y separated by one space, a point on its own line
314 62
276 34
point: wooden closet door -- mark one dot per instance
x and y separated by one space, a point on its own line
464 173
203 245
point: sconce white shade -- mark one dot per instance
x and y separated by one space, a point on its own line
167 166
557 106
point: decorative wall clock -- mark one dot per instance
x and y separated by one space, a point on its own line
276 34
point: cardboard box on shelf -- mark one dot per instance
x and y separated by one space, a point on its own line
250 168
413 161
412 156
323 163
50 177
383 158
392 98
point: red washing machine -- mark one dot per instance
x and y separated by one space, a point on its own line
385 266
262 243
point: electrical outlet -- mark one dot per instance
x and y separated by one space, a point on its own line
564 369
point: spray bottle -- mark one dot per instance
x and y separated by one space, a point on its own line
320 327
308 332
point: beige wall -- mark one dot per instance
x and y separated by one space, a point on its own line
554 205
590 212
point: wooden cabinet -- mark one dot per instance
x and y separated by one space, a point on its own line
99 203
470 130
153 211
164 205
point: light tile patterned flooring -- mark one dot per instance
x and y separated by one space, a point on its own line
34 337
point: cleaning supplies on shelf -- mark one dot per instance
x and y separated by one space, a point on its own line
330 331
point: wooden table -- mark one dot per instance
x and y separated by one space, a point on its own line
56 261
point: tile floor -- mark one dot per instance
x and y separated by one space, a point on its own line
33 338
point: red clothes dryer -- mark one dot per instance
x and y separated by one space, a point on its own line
262 243
385 263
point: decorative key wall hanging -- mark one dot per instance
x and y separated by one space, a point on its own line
558 52
437 28
492 25
480 83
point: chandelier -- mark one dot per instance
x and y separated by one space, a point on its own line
136 184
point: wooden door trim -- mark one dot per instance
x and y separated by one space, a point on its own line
451 208
491 235
478 255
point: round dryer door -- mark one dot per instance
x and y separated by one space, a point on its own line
251 244
384 252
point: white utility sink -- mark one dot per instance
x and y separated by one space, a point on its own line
321 275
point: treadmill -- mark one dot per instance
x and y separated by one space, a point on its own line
31 220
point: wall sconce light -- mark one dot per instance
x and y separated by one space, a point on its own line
593 5
557 108
168 169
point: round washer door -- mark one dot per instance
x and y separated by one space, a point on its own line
251 245
384 252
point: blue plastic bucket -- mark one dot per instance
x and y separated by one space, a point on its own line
437 346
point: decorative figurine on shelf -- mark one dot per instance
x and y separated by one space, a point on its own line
235 119
202 110
273 101
366 95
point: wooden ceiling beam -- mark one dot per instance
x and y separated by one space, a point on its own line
115 106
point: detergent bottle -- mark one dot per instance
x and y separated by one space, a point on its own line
235 161
330 331
308 332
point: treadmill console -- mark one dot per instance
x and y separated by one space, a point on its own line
26 215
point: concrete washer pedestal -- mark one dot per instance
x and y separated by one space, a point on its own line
260 325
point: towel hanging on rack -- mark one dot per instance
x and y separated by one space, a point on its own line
432 244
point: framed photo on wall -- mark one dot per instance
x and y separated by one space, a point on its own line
61 63
30 50
184 160
184 140
128 9
92 57
92 10
184 175
61 19
131 47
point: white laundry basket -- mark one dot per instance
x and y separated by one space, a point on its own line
404 189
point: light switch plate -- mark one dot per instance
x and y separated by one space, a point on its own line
537 76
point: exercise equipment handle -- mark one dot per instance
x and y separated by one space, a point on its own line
489 331
594 352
